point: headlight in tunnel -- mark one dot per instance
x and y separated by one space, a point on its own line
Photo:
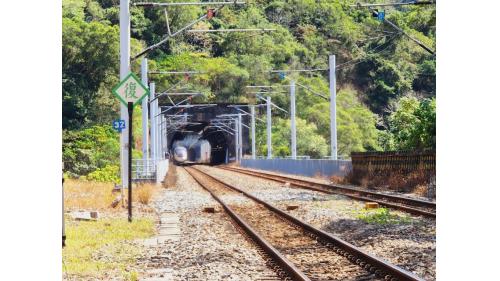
180 154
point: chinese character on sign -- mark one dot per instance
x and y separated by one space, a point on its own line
119 125
130 90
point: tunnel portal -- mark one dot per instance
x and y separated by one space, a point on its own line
194 122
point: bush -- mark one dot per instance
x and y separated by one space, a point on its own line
381 216
110 173
86 150
143 193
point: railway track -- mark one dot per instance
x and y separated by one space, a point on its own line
302 251
410 205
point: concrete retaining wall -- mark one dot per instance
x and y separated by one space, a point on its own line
308 168
161 171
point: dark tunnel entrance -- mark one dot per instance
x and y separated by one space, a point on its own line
219 144
193 137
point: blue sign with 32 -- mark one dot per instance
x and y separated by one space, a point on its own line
381 15
119 125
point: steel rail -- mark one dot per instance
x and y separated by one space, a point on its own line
373 264
349 192
281 260
410 201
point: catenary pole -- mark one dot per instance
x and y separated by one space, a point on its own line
145 149
124 70
333 108
240 139
252 111
268 118
152 118
236 139
157 132
292 120
165 136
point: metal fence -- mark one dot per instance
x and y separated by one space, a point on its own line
143 169
313 167
390 161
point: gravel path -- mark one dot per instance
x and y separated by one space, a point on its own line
410 244
210 247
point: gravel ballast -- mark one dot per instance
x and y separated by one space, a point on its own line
210 246
409 241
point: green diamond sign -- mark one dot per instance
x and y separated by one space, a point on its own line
131 90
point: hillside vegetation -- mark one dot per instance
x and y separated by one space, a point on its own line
385 82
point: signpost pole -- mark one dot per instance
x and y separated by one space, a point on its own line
130 140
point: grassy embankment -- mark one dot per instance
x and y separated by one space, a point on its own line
104 249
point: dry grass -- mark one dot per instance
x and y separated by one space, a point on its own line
143 193
421 190
337 179
416 181
171 176
87 195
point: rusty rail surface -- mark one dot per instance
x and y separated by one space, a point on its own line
388 200
357 256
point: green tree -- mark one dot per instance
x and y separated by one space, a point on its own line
90 69
356 124
413 124
309 142
90 53
86 150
